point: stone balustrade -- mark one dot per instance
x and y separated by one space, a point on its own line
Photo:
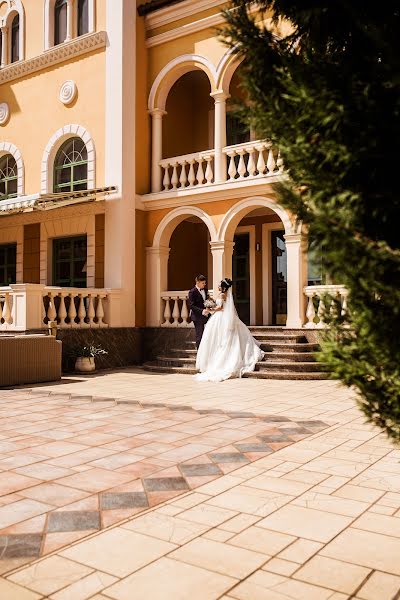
322 300
253 159
188 171
26 307
175 309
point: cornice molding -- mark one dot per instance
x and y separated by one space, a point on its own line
210 193
167 15
173 34
61 53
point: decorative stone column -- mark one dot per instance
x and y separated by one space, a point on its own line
222 261
4 46
70 20
156 282
296 279
220 98
156 148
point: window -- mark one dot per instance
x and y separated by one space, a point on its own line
8 264
60 21
69 262
8 177
15 39
83 17
71 166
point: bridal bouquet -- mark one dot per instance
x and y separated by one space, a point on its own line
209 304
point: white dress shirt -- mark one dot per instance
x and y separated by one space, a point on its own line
203 293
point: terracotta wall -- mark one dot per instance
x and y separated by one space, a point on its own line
188 257
99 250
32 253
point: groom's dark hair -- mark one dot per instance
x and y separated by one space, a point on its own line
201 278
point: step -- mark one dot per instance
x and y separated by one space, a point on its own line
283 339
183 352
290 366
170 361
289 357
286 375
289 347
155 368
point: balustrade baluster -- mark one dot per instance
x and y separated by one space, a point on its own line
176 313
191 175
72 314
321 312
6 313
183 176
62 311
200 172
100 312
91 312
174 179
251 165
232 166
167 314
184 313
209 171
51 311
344 310
310 312
166 180
271 163
279 163
241 166
260 161
81 311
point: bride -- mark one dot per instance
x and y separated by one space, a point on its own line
227 348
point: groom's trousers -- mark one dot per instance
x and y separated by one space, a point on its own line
199 328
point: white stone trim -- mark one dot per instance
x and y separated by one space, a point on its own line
8 148
62 228
72 15
15 7
267 228
239 211
169 14
68 92
166 227
173 71
183 30
226 69
4 113
52 147
61 53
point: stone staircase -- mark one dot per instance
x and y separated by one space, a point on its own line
289 355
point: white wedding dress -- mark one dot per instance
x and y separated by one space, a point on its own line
227 349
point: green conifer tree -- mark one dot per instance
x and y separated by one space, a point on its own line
327 93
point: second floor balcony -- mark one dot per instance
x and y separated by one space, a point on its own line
199 142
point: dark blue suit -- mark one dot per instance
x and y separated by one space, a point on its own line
196 306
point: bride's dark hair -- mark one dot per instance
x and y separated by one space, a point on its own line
226 284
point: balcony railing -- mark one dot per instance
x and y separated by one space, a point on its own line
26 307
243 161
323 300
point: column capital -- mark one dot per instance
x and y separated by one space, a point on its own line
220 96
157 113
221 245
158 250
293 238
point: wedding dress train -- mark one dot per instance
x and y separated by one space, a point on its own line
227 349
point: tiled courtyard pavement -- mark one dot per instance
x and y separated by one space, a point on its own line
316 517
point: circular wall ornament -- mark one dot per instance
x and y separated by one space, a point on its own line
68 92
4 113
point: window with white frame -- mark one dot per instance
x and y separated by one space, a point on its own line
12 41
67 19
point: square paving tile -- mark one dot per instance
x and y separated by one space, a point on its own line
22 545
200 470
73 521
165 484
123 500
229 457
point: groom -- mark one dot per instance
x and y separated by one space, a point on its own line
198 313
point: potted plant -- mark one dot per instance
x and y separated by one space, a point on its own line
85 362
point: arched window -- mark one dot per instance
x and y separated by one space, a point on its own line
71 166
8 177
15 39
83 17
60 21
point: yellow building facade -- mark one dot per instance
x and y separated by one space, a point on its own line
124 172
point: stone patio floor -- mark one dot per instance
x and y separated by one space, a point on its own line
129 486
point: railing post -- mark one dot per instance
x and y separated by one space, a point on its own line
156 150
27 306
220 98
